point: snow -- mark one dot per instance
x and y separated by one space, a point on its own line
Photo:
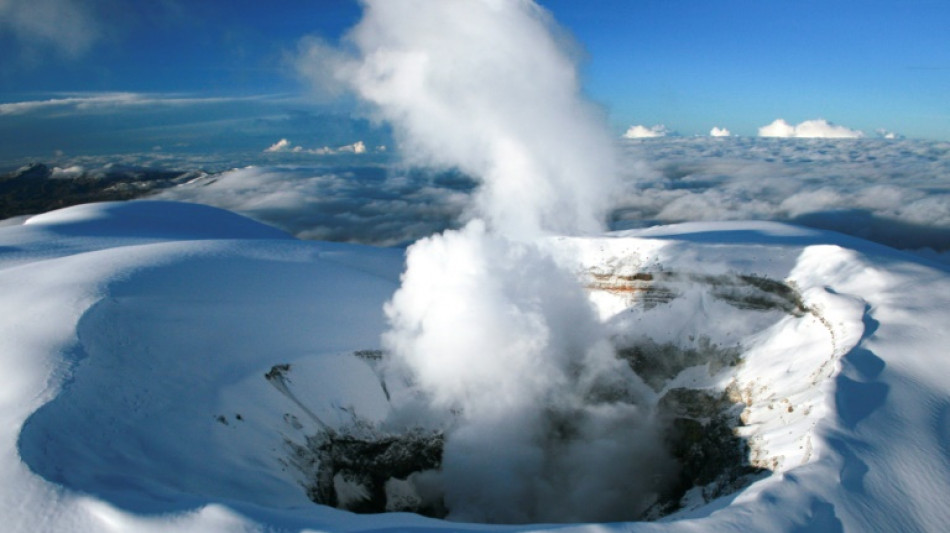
135 339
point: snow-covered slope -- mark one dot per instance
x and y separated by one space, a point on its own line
163 365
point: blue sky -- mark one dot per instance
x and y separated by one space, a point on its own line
741 64
214 73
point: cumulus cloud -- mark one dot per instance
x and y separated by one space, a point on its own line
719 132
643 132
280 146
811 129
778 128
70 172
70 27
356 148
283 145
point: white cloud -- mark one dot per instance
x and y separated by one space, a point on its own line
719 132
356 148
811 129
643 132
282 145
779 128
68 26
70 172
106 101
885 134
823 129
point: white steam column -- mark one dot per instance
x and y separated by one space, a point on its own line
487 324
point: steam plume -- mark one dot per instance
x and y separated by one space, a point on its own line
488 86
487 324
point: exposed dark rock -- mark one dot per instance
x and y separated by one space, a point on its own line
657 363
700 434
363 465
32 189
649 289
757 293
277 372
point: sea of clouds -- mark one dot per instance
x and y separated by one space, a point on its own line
895 192
368 204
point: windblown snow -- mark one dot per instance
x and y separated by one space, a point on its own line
176 367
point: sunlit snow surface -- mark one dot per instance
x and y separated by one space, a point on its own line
135 338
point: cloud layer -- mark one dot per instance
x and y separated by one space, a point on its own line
896 192
363 204
94 102
893 192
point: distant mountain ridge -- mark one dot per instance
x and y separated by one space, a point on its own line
36 188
